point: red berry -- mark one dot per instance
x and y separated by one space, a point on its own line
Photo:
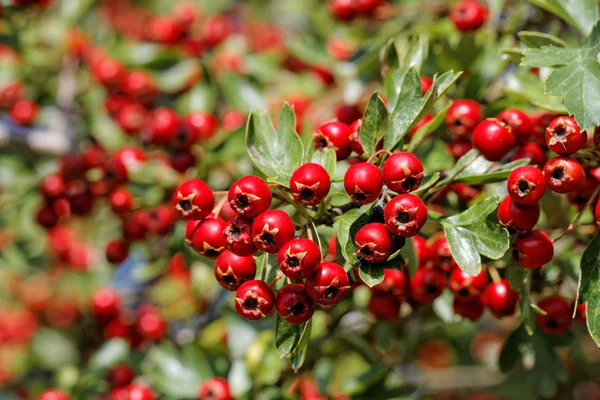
106 302
394 282
533 249
215 389
233 120
46 217
200 125
426 83
517 216
519 123
540 122
427 284
232 270
298 258
343 10
271 230
335 135
182 160
493 139
500 298
194 199
24 111
309 184
597 213
121 201
216 28
405 215
53 394
564 137
384 306
208 240
117 251
420 245
150 324
422 122
558 318
468 15
363 182
355 143
467 287
581 314
161 219
583 193
373 243
466 193
347 113
53 186
441 257
254 300
564 174
402 172
136 226
140 392
471 309
459 147
294 305
109 73
163 126
238 236
120 375
526 185
533 152
328 284
139 85
128 158
131 117
163 29
249 196
462 117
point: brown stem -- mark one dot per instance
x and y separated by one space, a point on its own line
573 224
389 153
308 232
276 279
220 192
219 205
494 274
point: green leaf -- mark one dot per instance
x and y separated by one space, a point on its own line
589 286
298 356
428 128
109 354
406 113
520 280
276 153
240 93
582 14
308 49
551 56
371 274
539 39
511 353
374 124
288 337
482 171
325 158
348 226
53 349
409 254
264 270
175 78
470 235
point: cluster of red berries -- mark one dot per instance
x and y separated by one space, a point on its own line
346 10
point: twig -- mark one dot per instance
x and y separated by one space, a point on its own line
219 206
437 193
389 153
276 279
573 224
494 274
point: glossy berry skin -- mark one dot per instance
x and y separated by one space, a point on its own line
405 215
471 309
293 304
468 15
564 137
426 83
384 306
421 249
161 219
467 287
394 282
254 300
355 143
249 196
563 174
120 375
53 186
150 324
462 117
533 249
309 184
139 85
580 197
402 172
135 227
526 185
373 243
597 213
271 230
117 250
500 298
194 200
559 317
121 201
459 147
298 258
540 122
200 125
232 270
343 10
208 240
335 135
163 126
422 122
519 123
427 284
140 392
363 183
493 139
533 152
105 302
238 236
23 112
516 216
53 394
328 284
215 389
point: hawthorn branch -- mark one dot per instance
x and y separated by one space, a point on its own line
573 224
